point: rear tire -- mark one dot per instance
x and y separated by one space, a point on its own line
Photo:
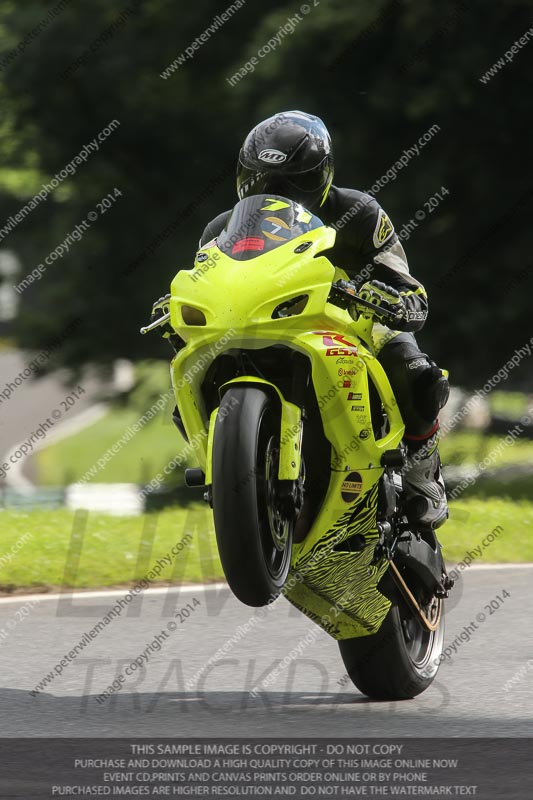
254 534
401 660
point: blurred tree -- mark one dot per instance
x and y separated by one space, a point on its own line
379 73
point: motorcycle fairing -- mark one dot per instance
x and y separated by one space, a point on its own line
245 303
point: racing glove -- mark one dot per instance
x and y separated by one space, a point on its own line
388 299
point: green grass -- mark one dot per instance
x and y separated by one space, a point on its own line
140 458
471 447
508 404
471 520
112 547
137 461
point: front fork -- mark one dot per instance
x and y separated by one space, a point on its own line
290 437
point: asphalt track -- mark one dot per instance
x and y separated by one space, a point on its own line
308 697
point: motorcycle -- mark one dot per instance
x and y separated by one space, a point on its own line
300 444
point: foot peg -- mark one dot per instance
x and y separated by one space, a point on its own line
394 459
194 477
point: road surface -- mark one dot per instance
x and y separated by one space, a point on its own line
308 697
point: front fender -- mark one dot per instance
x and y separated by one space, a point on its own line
290 455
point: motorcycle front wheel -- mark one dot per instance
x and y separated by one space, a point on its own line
253 530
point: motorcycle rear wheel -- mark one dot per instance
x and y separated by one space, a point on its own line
254 534
401 660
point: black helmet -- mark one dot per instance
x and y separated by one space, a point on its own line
288 154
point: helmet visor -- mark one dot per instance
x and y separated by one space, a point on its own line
303 187
312 180
250 182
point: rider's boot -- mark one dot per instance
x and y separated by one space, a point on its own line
427 507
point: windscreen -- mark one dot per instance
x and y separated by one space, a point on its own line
263 222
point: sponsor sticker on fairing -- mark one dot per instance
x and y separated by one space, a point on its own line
351 487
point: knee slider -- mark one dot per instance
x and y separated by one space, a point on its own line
432 391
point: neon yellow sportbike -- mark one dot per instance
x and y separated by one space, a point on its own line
299 440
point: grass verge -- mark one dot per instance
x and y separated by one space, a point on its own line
137 461
133 442
39 548
147 452
473 519
471 447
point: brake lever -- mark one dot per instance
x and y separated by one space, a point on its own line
156 324
382 311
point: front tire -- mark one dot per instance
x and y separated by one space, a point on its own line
254 533
401 660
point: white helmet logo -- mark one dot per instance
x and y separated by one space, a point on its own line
272 156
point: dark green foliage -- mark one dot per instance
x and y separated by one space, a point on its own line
379 73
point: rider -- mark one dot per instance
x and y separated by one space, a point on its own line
290 154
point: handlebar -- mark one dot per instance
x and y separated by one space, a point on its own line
343 291
346 292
